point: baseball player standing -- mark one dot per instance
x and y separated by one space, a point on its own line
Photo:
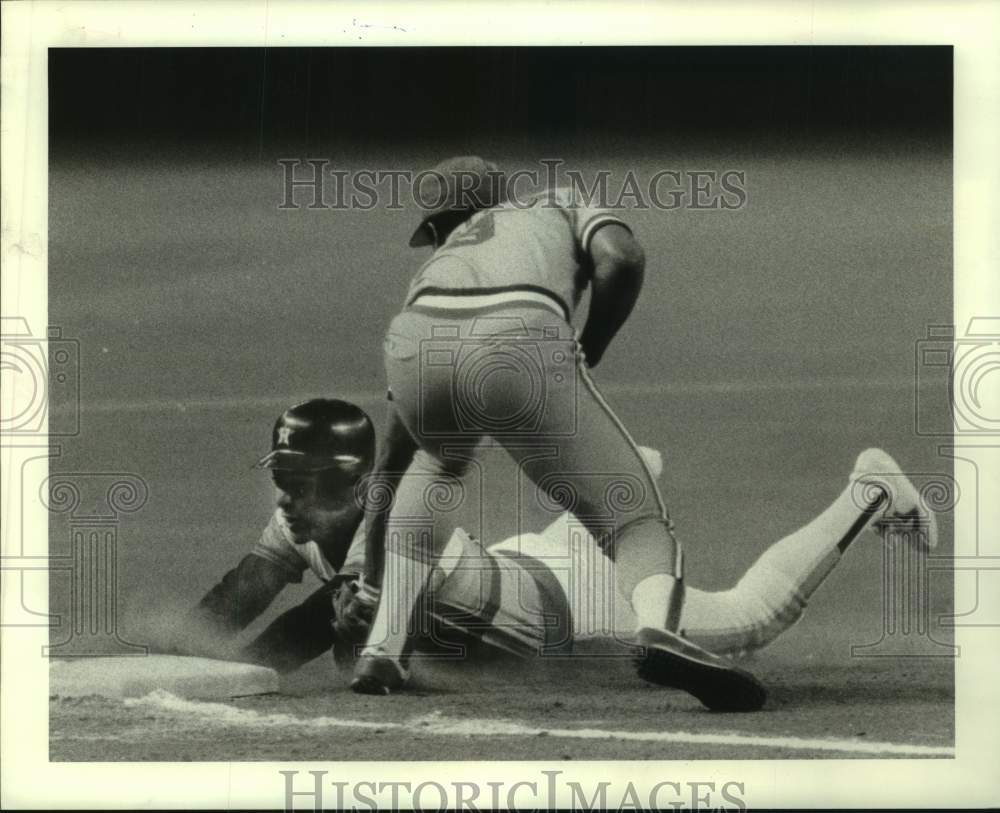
484 348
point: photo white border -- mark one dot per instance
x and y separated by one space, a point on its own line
29 28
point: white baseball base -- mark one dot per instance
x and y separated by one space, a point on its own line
197 678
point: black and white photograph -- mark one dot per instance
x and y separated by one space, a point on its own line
596 406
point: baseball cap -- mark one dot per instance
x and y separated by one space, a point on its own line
466 183
321 434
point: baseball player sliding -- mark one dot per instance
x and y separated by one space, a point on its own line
320 449
524 594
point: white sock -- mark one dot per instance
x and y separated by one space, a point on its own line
656 602
805 558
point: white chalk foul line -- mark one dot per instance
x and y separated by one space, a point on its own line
221 714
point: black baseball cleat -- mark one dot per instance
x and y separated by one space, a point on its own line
378 674
672 661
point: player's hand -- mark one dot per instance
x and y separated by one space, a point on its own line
354 608
590 358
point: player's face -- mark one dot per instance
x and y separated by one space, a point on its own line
312 511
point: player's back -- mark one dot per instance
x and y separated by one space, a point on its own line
538 244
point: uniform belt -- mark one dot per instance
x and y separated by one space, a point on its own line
472 301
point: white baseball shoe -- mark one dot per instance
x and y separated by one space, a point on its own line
879 486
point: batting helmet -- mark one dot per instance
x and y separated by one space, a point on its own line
320 435
462 186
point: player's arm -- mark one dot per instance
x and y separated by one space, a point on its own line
619 266
241 595
210 628
397 454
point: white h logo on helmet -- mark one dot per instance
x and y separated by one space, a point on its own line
284 432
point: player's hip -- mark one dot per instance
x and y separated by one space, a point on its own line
517 312
509 600
481 366
481 299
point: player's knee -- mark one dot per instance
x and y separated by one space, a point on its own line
647 529
641 548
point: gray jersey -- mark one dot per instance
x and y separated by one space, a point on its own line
542 244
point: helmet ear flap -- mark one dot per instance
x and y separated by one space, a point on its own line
336 481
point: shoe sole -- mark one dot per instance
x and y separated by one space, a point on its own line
719 686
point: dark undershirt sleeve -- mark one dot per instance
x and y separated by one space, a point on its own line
242 595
